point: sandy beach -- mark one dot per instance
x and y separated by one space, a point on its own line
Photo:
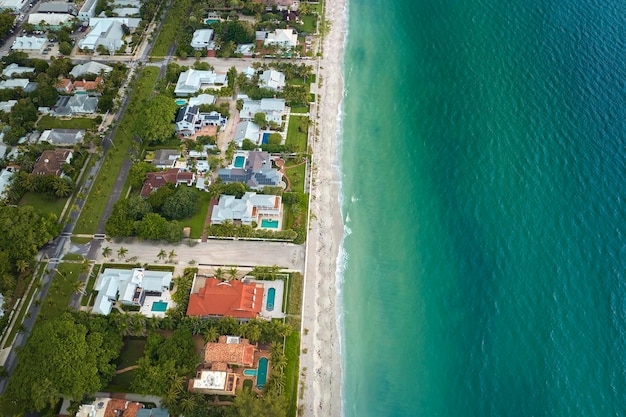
320 359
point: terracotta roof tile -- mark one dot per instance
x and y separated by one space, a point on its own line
233 299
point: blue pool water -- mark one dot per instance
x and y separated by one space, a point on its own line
265 138
159 306
239 161
270 224
271 294
249 372
261 376
181 102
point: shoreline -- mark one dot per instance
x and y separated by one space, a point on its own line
320 356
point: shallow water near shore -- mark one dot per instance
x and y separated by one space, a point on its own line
483 182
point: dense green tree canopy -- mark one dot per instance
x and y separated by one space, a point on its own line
125 213
23 231
181 204
155 123
59 359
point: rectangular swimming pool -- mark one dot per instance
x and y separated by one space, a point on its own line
261 375
271 294
239 161
159 306
269 223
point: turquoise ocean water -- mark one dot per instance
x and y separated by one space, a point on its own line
483 183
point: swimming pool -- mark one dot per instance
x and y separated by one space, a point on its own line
266 137
209 21
249 372
159 306
261 375
181 102
269 223
239 161
271 294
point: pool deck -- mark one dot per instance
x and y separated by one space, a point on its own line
279 286
146 308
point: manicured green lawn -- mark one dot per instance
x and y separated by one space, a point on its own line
96 202
300 109
62 288
90 283
308 25
50 122
296 176
43 204
196 222
292 351
295 136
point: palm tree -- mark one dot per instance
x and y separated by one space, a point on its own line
61 187
232 272
22 266
79 286
279 364
85 266
276 349
106 251
162 254
122 251
210 335
172 255
219 274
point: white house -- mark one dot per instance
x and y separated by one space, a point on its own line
128 286
131 22
6 106
14 69
272 80
88 10
5 182
190 81
248 209
91 67
29 44
15 6
247 130
202 40
201 99
15 83
285 38
189 119
274 109
106 32
50 19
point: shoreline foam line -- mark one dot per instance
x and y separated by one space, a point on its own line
320 360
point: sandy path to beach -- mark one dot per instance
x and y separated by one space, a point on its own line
320 360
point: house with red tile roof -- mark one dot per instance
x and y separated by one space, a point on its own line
84 86
226 299
155 180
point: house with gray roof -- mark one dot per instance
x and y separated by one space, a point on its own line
76 104
272 79
15 69
22 83
253 168
6 106
247 130
91 67
165 158
88 10
57 7
274 109
105 32
62 137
